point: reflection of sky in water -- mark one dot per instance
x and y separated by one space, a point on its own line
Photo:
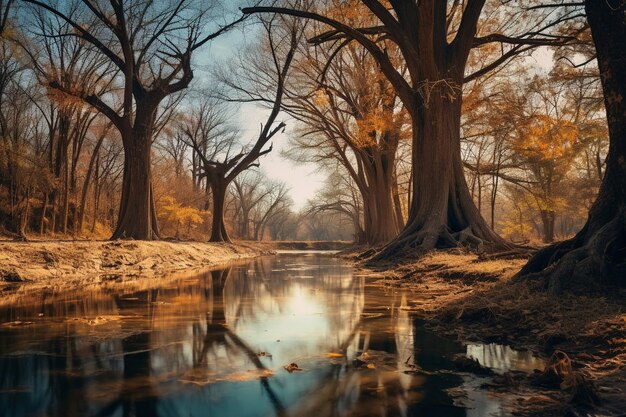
189 348
503 358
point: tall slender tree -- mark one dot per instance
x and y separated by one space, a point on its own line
350 114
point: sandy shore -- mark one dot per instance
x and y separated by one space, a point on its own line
58 265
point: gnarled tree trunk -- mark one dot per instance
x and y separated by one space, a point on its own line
597 254
442 213
548 219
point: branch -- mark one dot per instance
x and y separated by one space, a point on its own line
462 42
92 100
214 35
546 41
84 35
400 84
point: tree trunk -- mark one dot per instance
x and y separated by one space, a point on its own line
244 231
597 254
218 230
44 209
397 204
442 213
65 207
137 214
61 172
380 221
548 218
83 199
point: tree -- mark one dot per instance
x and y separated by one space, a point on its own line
151 45
221 173
283 225
65 61
276 204
597 254
341 195
175 212
350 114
435 39
547 140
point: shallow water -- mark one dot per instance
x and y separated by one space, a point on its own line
217 344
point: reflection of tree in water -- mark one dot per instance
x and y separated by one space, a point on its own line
219 337
138 397
377 385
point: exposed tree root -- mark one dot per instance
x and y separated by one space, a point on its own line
412 245
559 373
582 262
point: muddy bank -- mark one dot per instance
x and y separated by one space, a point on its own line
58 265
583 337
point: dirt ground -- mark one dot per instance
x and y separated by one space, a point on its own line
31 266
581 337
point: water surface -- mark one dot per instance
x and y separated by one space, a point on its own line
216 345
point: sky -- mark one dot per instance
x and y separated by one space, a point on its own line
303 179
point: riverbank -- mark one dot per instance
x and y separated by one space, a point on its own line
58 265
474 300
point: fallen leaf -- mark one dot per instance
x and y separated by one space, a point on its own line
292 367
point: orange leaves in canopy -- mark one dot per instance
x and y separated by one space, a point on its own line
370 126
544 138
64 100
352 12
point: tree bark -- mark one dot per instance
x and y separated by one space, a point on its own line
597 254
442 213
137 215
380 223
397 204
218 229
85 190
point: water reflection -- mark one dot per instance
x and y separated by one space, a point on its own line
502 358
216 345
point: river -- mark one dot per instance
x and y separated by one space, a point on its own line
218 344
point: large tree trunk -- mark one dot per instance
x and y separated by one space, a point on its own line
442 213
218 230
137 215
598 252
